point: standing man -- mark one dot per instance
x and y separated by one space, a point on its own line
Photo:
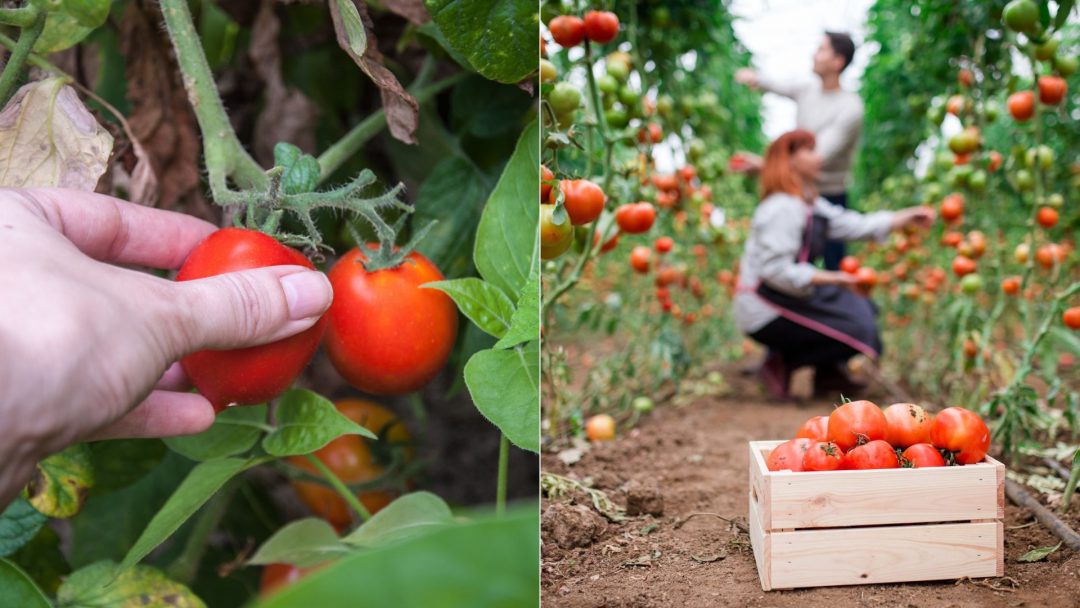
832 114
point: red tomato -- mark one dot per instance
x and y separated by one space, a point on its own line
908 424
639 258
961 432
665 181
277 576
246 376
567 30
688 173
1011 285
388 335
866 277
849 264
788 455
920 456
584 200
1052 89
877 454
546 177
823 456
816 428
952 207
1021 105
1047 217
664 244
601 26
1071 317
963 265
600 428
856 423
1050 254
995 161
651 133
635 218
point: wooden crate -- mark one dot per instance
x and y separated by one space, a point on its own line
813 529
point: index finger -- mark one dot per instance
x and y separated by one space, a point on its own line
112 230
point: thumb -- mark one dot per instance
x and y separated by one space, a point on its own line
248 308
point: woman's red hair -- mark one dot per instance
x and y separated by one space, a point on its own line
776 172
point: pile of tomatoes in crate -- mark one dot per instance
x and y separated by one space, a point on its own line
860 435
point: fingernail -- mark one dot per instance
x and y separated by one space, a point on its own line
307 293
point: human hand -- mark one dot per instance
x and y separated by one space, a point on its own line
89 348
747 76
914 217
833 277
745 162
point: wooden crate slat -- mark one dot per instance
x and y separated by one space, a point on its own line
810 558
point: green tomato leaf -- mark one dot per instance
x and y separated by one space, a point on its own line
1037 555
121 462
1074 475
431 30
62 31
42 559
453 194
18 524
303 543
18 589
235 431
106 584
61 482
411 515
505 386
301 170
483 303
1064 8
202 483
490 562
499 37
488 109
506 240
306 422
525 324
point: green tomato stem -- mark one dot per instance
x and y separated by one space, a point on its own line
504 459
340 486
336 155
14 68
223 153
186 566
23 17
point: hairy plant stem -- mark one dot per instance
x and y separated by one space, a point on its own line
14 68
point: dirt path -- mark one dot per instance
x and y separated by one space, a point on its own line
696 456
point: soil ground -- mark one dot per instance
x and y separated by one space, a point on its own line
696 456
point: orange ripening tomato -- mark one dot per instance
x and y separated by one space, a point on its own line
952 238
600 428
1071 317
816 428
962 433
1050 254
1011 285
866 277
546 177
665 181
640 257
952 207
788 455
908 424
1021 105
856 423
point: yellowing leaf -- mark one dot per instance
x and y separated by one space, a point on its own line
49 138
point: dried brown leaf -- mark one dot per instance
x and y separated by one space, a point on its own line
162 121
402 111
287 115
49 138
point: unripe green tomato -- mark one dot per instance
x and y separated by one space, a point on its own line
661 16
1024 180
991 112
565 119
1055 200
628 97
608 101
664 105
696 150
708 100
977 181
936 114
555 239
1046 157
943 161
1047 50
971 283
1021 15
607 84
1066 66
933 191
617 118
548 73
643 404
619 69
564 98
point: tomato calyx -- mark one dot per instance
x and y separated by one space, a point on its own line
385 254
